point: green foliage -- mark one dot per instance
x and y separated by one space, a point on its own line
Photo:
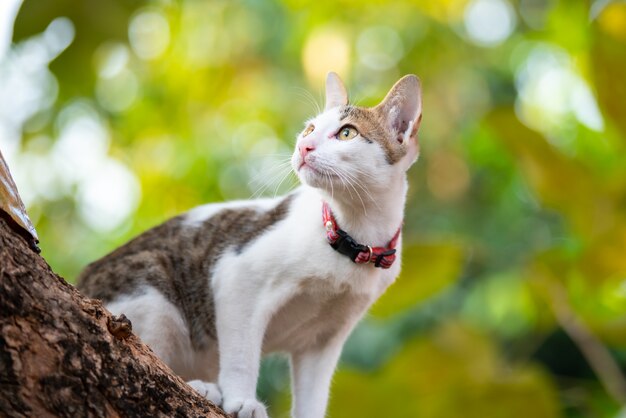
147 108
454 371
428 269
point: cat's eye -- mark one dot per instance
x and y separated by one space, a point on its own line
308 130
347 132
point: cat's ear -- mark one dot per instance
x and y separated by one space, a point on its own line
402 108
336 94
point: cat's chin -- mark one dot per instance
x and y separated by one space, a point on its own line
310 176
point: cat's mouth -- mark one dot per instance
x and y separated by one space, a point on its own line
304 163
311 167
313 173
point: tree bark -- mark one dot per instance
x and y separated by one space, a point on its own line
64 355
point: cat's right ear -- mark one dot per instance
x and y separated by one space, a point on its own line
336 94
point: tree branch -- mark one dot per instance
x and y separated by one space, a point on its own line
62 354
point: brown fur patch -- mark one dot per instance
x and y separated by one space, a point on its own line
372 124
177 259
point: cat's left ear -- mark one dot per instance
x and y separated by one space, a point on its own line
402 107
336 94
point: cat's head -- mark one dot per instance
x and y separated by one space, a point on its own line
352 148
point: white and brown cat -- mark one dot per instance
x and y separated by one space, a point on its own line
212 290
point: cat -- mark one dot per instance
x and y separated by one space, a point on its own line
212 290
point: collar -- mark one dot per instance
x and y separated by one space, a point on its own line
343 243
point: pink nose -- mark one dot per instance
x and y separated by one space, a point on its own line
305 149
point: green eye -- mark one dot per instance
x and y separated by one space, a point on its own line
347 132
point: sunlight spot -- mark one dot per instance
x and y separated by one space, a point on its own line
78 165
380 47
489 22
585 107
108 195
149 34
110 59
325 50
26 84
37 185
83 142
117 93
8 12
59 35
550 91
612 20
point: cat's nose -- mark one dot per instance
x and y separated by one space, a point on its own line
305 149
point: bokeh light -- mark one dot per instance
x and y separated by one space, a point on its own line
379 48
149 34
326 49
118 92
489 22
551 91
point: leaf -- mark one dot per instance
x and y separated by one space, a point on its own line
608 58
11 203
560 182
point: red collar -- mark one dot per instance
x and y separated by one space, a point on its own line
343 243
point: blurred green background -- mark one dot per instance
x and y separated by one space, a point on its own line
115 115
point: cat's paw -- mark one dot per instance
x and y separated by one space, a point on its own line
245 408
208 390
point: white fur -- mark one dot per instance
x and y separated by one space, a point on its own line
156 319
251 288
160 325
289 290
208 390
199 214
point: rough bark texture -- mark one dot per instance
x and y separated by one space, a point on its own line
62 354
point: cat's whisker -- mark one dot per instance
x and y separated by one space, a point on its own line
346 181
304 93
279 155
304 98
274 168
295 183
281 182
276 172
333 171
362 172
262 173
277 181
357 195
332 187
357 182
356 174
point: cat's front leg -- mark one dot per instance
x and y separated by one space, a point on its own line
242 314
312 371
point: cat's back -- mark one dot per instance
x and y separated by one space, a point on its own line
182 250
